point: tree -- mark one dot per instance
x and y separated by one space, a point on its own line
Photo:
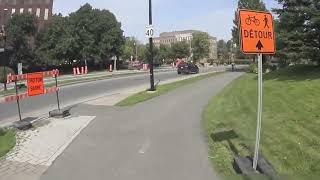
20 31
313 29
200 45
88 34
298 30
156 59
224 49
141 52
4 71
165 53
244 4
130 47
53 45
180 50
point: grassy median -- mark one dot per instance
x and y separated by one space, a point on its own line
162 89
7 141
290 126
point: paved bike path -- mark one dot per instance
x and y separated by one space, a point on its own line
160 139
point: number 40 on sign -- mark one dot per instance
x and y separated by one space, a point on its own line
149 31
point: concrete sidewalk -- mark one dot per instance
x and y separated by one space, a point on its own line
161 139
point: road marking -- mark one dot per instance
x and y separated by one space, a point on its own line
145 146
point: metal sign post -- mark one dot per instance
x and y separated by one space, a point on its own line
259 115
150 34
257 37
57 91
18 100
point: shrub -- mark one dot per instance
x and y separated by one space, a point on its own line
2 131
253 68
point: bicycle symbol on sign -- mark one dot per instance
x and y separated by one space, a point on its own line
252 19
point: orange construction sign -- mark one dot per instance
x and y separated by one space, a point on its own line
256 32
35 84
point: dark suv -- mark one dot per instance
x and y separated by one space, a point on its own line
188 68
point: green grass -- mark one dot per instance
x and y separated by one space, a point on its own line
7 141
162 89
290 125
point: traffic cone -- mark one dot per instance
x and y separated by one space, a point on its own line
82 70
74 71
78 71
9 78
110 68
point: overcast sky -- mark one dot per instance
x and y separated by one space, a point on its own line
213 16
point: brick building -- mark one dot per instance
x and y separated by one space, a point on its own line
41 8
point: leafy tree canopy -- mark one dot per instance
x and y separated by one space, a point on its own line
200 45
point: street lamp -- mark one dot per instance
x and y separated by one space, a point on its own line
136 46
152 87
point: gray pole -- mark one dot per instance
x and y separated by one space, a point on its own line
136 51
152 88
259 116
18 100
57 91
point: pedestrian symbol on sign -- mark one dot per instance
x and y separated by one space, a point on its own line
266 21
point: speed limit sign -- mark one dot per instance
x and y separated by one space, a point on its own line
150 31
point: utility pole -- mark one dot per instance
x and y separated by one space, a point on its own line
152 88
136 51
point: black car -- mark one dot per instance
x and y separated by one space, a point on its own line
188 68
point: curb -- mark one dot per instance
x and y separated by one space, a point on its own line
92 79
45 116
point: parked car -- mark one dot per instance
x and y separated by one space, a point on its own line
188 68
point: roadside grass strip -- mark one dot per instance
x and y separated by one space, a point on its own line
290 125
7 141
162 89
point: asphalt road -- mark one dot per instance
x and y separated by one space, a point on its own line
160 139
73 94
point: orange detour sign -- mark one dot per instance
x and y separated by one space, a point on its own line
256 32
35 84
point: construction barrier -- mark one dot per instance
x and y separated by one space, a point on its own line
35 86
80 71
8 81
145 67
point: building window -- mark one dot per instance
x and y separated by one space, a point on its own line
30 10
13 11
46 14
38 12
21 10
